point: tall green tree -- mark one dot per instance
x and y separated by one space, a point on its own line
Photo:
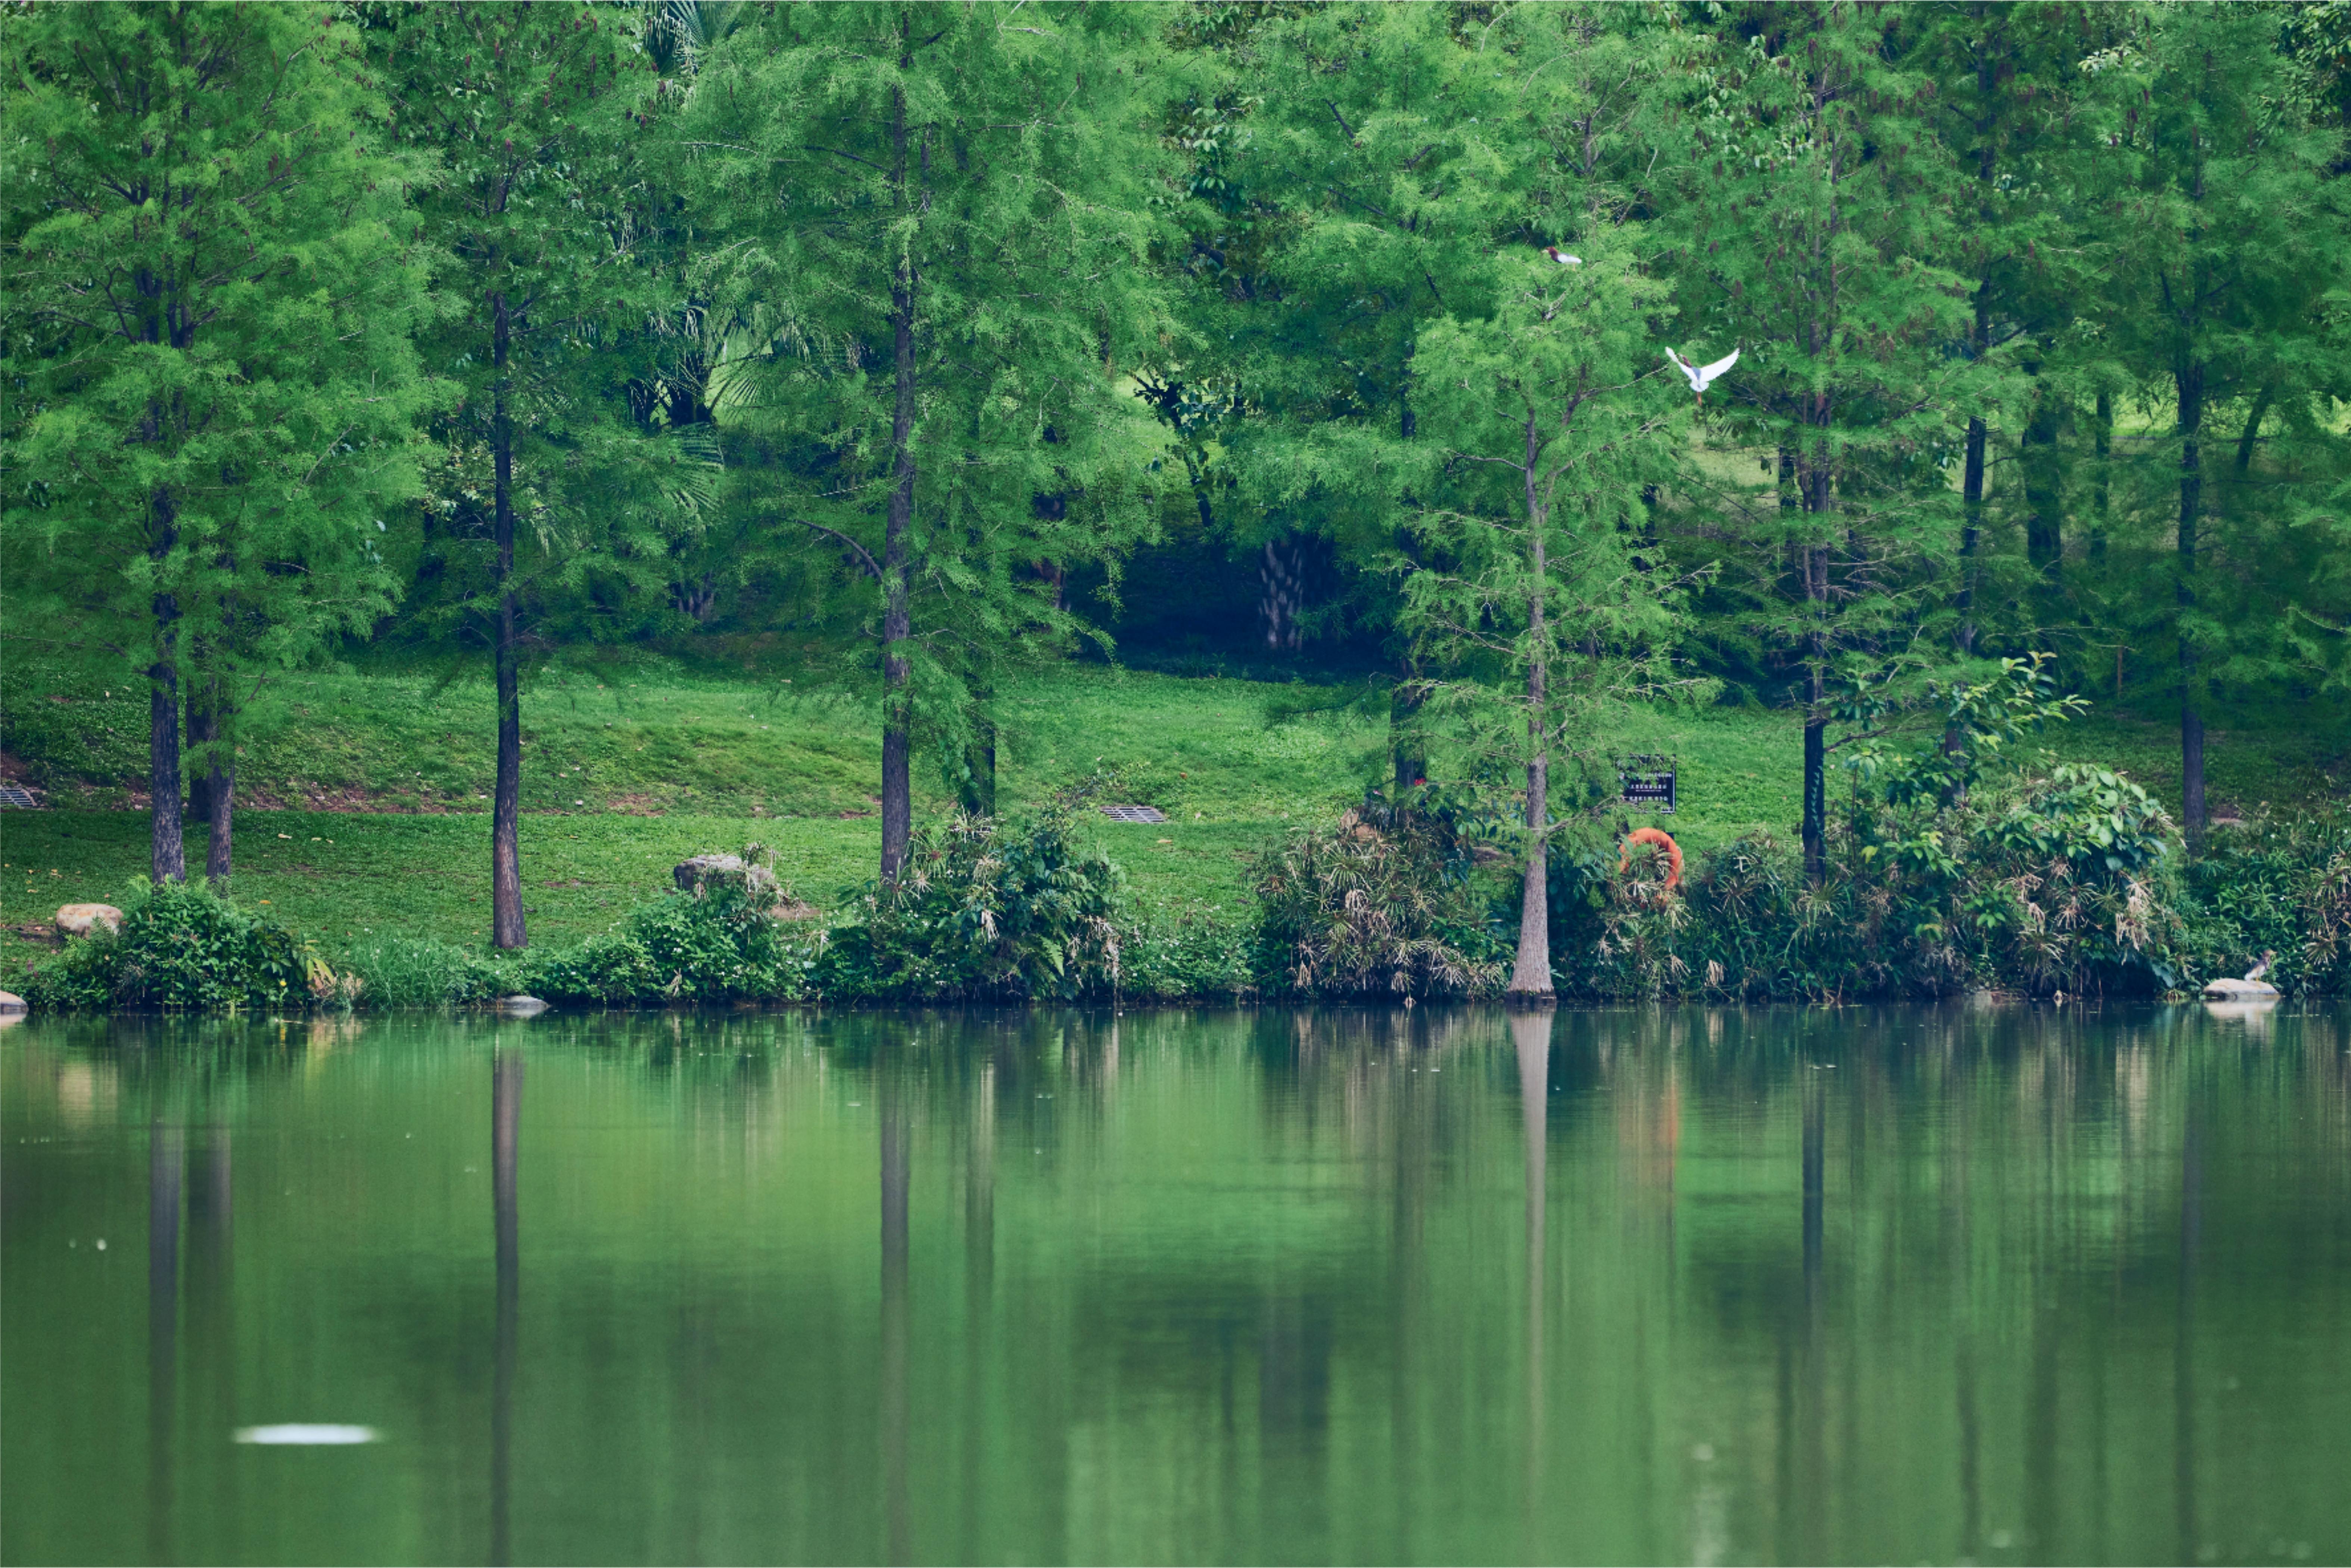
529 109
942 219
211 288
1355 168
1530 592
1820 214
2225 241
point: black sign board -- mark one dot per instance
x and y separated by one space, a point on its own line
1648 782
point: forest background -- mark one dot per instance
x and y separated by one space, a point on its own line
923 425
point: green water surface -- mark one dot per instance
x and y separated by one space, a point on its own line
2002 1283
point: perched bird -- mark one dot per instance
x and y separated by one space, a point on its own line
1701 375
1562 257
2257 970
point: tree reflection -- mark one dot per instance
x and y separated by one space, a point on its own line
505 1125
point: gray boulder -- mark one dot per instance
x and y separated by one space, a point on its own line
2240 990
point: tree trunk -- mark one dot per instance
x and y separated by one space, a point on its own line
1404 697
2105 440
2253 429
897 699
2044 537
211 793
976 793
1816 722
506 805
1531 977
200 735
167 855
221 806
1815 827
167 851
1980 340
2191 714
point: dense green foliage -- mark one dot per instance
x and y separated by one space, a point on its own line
182 946
1383 905
984 911
722 942
893 356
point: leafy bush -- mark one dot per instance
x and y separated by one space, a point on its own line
184 945
723 941
982 910
1383 904
2061 883
1196 951
2280 887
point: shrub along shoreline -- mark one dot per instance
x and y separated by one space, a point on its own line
2065 884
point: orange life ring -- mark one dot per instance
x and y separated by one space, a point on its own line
1655 836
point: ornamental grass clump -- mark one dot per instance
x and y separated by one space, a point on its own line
419 972
181 946
983 909
1380 905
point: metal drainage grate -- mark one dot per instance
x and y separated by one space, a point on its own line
1135 813
17 796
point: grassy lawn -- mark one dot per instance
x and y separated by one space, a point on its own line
364 810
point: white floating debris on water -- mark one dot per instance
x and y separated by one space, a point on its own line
302 1434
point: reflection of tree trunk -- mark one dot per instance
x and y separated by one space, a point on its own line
212 1294
165 1153
1810 1389
505 1125
2041 1449
978 1290
894 1309
2183 1343
1531 1036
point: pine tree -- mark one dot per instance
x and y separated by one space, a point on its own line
528 108
211 285
939 221
1819 210
1531 594
2222 235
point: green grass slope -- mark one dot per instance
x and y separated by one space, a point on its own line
364 803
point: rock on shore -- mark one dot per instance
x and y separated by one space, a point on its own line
80 919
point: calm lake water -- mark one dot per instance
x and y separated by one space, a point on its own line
1999 1283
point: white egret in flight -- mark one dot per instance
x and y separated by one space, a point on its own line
1700 376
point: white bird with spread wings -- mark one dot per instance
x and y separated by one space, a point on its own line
1701 376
